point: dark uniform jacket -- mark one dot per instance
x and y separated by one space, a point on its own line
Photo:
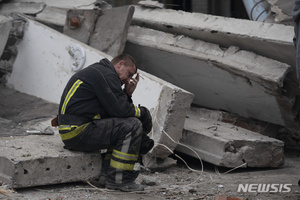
94 93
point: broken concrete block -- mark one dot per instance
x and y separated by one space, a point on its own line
51 13
41 160
80 24
6 24
251 124
151 4
270 40
223 144
53 17
282 11
67 4
158 164
233 80
11 35
168 105
267 39
54 55
111 29
25 8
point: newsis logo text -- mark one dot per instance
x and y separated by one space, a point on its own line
265 188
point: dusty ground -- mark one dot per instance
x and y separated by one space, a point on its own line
19 113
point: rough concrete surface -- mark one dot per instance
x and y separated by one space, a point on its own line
25 8
57 57
270 40
168 105
80 24
179 182
5 27
267 39
32 152
282 11
233 80
226 145
67 4
290 137
41 160
52 15
111 29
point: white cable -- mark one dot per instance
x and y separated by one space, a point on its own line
230 169
202 166
178 143
176 186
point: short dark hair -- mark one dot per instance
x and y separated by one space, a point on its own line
128 60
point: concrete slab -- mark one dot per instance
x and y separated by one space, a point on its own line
11 34
51 13
80 24
171 105
6 24
52 16
151 4
68 4
54 58
270 40
42 160
223 144
282 11
230 79
111 29
25 8
266 39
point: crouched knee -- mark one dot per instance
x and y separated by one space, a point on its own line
135 124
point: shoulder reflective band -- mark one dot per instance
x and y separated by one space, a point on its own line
70 94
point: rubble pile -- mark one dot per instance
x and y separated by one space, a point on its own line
184 58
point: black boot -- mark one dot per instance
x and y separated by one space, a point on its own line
126 187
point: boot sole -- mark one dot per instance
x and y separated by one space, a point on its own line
123 189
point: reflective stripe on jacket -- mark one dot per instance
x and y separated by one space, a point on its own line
94 93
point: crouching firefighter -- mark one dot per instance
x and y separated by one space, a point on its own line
95 112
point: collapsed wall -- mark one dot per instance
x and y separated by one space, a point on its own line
270 40
230 79
267 39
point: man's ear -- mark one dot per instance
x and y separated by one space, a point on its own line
119 64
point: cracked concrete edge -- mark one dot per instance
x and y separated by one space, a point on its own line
6 24
221 144
171 111
233 59
41 160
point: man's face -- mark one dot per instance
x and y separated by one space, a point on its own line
125 72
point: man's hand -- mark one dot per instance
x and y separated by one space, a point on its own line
146 119
131 85
146 144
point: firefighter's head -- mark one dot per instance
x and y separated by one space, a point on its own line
125 67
